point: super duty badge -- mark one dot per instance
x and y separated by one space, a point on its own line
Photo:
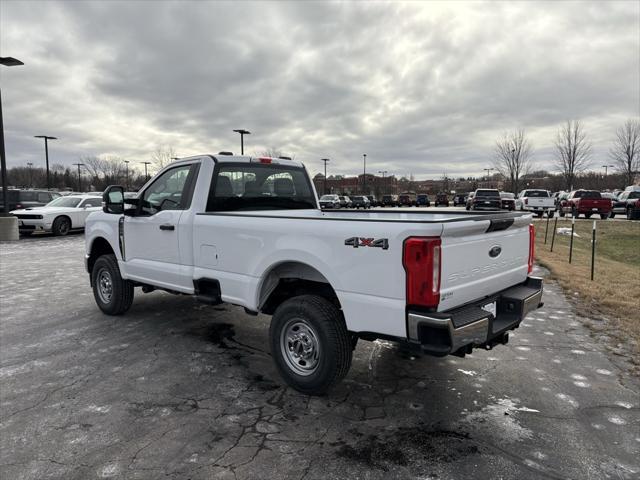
356 242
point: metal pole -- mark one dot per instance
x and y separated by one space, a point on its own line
242 144
573 225
5 193
46 154
79 180
30 167
593 249
364 176
325 160
126 174
546 230
553 237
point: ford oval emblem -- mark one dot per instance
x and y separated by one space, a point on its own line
495 251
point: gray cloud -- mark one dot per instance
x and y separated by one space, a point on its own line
422 88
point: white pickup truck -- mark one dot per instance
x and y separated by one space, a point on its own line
249 231
536 201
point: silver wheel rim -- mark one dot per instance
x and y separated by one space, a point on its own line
104 285
299 347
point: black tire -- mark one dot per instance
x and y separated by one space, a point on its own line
574 212
629 214
321 330
604 216
550 213
112 293
587 216
612 214
539 214
61 226
561 213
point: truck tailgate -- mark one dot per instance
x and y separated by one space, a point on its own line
480 258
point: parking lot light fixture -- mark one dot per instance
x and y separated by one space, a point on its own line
325 160
46 154
242 133
7 62
146 175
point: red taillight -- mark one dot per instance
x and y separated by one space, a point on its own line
526 201
265 160
532 246
421 259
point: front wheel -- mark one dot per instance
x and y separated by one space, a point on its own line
113 294
612 214
550 213
310 344
587 215
604 216
61 226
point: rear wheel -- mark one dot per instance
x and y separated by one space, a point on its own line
61 226
561 213
604 216
587 215
612 214
113 294
550 213
574 212
310 344
539 214
629 214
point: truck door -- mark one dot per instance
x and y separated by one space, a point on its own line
151 240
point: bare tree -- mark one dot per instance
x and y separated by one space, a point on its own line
274 152
573 151
163 156
512 157
625 151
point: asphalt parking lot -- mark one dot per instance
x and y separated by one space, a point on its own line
177 389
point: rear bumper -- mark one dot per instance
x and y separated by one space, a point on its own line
460 330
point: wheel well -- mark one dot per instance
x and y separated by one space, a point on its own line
99 247
291 279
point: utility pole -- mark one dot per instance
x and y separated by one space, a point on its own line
488 170
126 174
324 190
606 167
146 175
30 168
46 154
364 176
242 133
79 180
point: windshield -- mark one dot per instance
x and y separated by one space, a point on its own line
507 195
587 194
65 202
536 193
255 186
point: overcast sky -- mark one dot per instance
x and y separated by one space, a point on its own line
422 87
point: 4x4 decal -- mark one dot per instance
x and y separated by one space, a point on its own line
356 242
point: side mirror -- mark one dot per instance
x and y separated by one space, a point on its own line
113 200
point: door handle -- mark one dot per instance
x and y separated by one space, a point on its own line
167 226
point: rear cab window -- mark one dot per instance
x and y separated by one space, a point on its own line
258 186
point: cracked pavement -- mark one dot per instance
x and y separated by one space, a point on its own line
177 389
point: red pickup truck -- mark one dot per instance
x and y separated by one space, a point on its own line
587 203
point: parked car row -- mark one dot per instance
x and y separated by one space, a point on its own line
604 204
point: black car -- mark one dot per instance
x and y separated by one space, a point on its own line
372 200
389 201
484 199
27 198
626 204
423 200
460 199
359 201
442 199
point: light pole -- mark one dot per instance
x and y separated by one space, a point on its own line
146 175
242 133
30 168
324 189
488 170
126 174
46 154
7 62
79 180
606 167
364 176
383 172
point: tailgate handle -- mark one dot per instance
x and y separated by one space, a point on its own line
497 225
167 226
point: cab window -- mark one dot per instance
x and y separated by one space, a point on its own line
169 191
